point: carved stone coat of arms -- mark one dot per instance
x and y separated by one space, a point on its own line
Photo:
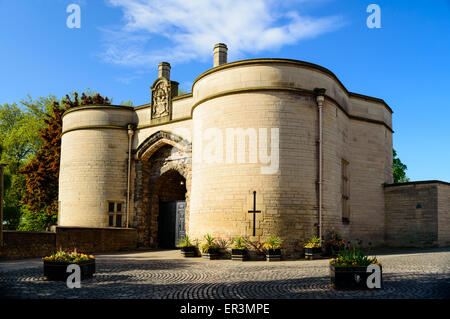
161 99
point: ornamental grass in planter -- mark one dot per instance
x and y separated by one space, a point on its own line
187 247
238 250
352 269
55 265
273 249
222 249
313 248
210 250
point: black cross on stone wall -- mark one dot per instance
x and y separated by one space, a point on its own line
254 212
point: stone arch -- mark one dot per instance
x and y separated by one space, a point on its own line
160 154
155 141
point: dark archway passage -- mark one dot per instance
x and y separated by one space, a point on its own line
170 191
162 175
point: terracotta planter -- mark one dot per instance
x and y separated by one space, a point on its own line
313 253
351 277
58 270
273 255
239 254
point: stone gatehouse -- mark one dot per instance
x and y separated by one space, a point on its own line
318 156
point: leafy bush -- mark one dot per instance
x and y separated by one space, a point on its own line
314 242
239 243
185 242
273 243
210 244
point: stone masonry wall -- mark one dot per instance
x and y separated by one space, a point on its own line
411 214
22 244
444 214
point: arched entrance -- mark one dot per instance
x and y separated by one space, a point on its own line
170 191
162 190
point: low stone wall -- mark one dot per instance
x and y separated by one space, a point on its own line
92 240
415 212
20 244
444 215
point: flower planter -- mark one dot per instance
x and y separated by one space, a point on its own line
58 270
190 251
211 254
273 255
239 254
313 253
351 277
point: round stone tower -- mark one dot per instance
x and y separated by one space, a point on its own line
265 113
93 172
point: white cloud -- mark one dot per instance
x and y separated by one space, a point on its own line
183 30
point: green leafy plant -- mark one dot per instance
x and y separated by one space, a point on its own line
239 243
273 243
353 256
209 245
314 242
185 242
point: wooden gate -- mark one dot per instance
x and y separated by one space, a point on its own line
171 223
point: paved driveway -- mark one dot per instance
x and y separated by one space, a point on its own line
165 275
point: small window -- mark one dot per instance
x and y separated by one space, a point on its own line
115 217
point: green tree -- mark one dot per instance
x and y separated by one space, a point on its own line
182 91
19 140
40 196
399 170
127 103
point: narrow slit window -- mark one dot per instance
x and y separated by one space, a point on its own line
345 191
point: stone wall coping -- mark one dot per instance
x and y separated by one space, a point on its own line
98 107
27 232
417 183
292 62
92 228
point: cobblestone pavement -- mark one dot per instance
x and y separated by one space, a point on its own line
165 275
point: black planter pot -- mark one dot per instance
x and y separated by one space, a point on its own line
190 251
351 277
239 254
273 255
58 270
212 253
313 253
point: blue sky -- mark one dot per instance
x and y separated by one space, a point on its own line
117 49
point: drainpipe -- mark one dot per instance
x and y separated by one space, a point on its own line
130 138
320 98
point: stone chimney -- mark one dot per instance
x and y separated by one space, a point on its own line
164 70
220 54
